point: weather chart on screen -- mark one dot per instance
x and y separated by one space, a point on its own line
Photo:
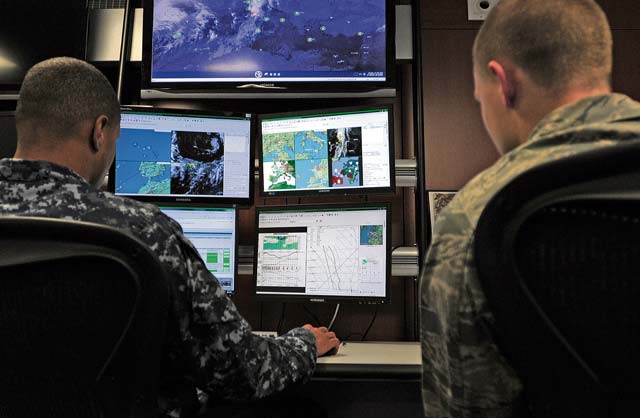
329 151
322 252
162 154
213 232
268 40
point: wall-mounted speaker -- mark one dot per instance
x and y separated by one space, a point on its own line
478 9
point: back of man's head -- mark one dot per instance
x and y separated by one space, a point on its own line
59 95
560 44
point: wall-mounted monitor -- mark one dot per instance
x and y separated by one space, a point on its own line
323 253
271 47
34 30
213 232
337 151
178 156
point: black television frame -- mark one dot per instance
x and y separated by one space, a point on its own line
10 91
329 191
236 226
187 199
271 88
9 115
369 300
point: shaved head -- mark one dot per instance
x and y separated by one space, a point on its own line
560 44
59 95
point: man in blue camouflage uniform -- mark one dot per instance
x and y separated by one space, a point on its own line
68 121
541 72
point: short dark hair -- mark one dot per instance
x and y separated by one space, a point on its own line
59 93
559 43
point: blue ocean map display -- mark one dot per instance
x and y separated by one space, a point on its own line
311 145
371 235
269 39
143 162
312 174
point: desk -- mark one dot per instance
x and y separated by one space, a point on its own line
373 360
364 380
368 379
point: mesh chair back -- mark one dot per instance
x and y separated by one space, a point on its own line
558 255
82 317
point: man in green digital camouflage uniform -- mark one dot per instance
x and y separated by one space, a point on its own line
541 72
68 121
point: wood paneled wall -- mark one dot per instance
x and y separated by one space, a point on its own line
456 145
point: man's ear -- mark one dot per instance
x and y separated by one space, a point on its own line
507 83
97 137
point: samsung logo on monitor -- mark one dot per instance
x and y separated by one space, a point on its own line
316 300
183 199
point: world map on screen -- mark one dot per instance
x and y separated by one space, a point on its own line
262 38
143 165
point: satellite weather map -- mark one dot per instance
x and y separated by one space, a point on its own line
164 163
279 160
197 163
345 142
371 235
312 165
303 160
270 39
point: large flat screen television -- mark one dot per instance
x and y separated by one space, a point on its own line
34 30
213 232
336 151
323 253
184 156
269 46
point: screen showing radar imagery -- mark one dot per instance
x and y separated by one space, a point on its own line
268 41
160 154
331 151
335 253
213 232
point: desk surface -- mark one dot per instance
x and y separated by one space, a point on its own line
396 360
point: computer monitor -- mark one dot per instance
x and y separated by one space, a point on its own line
323 253
269 46
337 151
171 156
8 135
213 232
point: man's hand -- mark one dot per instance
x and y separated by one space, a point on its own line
325 340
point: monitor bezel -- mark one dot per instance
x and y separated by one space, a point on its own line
11 90
270 88
236 227
12 115
186 199
368 300
330 191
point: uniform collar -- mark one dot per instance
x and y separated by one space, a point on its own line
591 110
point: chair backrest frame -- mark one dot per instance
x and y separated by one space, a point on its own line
582 178
122 388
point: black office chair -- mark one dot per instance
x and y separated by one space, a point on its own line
82 320
558 255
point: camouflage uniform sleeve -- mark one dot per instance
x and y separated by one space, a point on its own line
464 375
232 362
439 297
